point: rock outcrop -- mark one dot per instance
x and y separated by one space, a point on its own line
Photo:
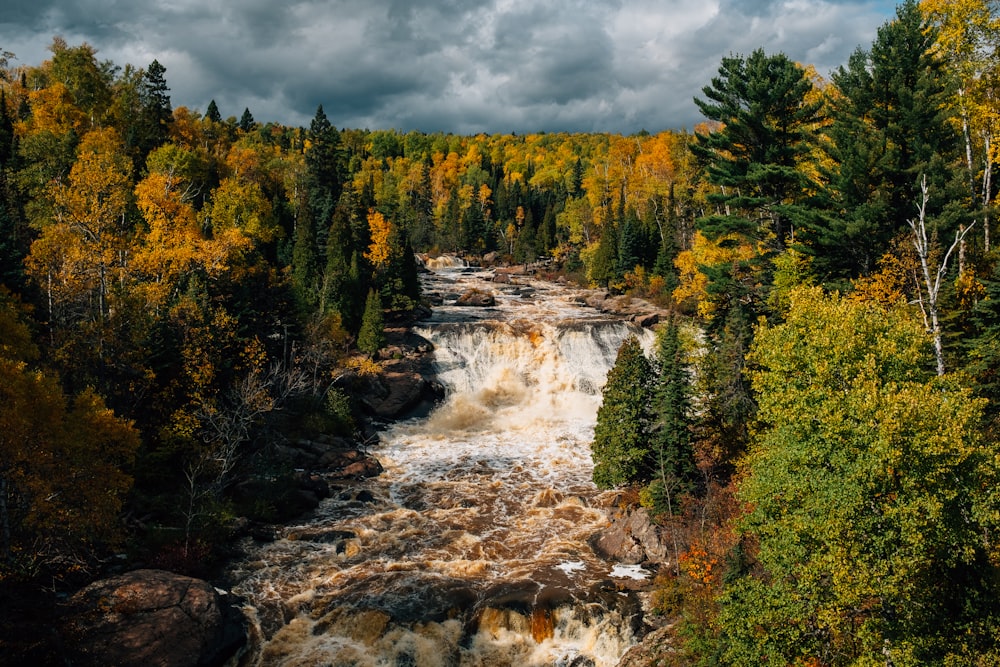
153 618
630 538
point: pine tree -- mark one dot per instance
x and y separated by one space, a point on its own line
621 449
247 122
890 128
766 133
212 112
371 338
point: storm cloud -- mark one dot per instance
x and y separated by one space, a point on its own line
462 66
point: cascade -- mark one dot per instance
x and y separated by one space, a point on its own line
471 548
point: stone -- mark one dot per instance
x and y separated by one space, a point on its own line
631 538
153 618
648 320
368 467
477 299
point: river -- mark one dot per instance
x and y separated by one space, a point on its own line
471 548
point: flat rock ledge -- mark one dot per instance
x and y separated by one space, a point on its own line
153 618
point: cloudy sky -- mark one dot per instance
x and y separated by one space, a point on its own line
463 66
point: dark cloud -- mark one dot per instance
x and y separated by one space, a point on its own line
453 65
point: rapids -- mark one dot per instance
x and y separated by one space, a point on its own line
471 548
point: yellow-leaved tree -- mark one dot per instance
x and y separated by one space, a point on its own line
62 461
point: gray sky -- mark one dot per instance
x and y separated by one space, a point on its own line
464 66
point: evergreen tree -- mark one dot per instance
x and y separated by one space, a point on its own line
630 244
621 449
371 337
14 234
323 173
890 128
604 264
983 345
766 133
673 468
156 98
212 112
247 123
305 266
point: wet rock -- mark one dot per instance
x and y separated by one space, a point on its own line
477 299
363 496
648 320
397 394
407 597
404 392
598 301
322 536
152 617
367 467
312 483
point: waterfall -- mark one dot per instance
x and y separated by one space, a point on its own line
471 548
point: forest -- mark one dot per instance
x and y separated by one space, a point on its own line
817 431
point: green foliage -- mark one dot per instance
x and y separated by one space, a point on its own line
890 128
371 337
673 468
869 490
983 344
620 449
767 132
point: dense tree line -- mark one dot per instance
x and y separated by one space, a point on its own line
842 278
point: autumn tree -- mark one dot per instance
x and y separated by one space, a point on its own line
967 37
81 260
868 491
62 461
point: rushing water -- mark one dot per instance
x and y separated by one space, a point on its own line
471 548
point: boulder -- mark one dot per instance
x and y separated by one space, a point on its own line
153 618
476 298
598 301
653 649
367 467
630 538
648 320
396 394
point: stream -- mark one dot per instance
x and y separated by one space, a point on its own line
471 549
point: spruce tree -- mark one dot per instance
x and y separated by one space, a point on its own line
371 338
247 122
212 112
621 449
673 457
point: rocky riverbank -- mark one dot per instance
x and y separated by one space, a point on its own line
133 617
